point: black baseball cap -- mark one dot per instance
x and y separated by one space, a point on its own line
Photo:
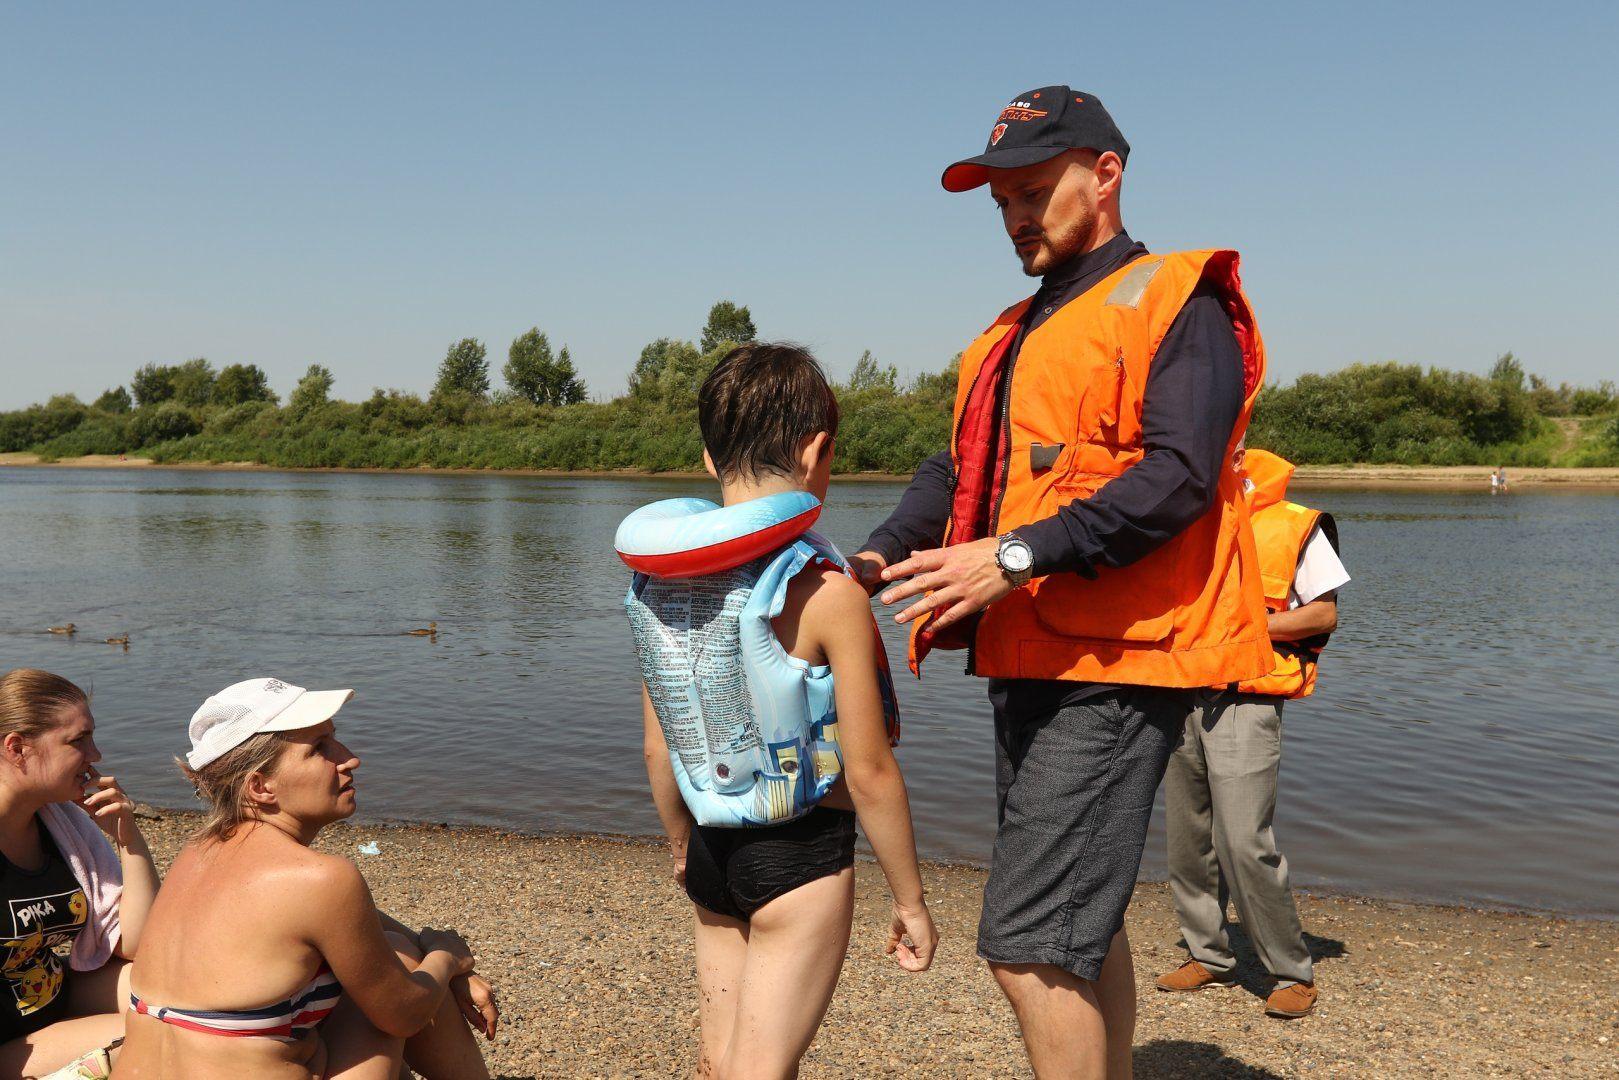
1037 126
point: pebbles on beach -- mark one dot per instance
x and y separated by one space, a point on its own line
588 943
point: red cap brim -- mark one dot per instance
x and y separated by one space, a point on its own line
976 171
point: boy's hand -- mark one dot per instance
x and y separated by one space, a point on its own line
912 938
677 854
867 568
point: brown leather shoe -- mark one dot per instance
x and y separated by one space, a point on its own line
1291 1002
1188 977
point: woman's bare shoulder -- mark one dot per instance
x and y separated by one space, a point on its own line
265 861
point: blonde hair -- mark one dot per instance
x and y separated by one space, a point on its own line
32 701
222 782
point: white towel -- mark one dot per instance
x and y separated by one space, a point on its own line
94 862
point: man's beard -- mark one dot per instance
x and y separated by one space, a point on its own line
1057 248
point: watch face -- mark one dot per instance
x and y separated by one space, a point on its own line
1016 557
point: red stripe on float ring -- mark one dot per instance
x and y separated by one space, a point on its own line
726 554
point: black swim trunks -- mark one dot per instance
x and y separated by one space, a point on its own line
736 872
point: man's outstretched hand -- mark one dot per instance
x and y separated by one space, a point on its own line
959 581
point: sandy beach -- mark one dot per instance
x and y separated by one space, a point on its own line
1455 477
587 942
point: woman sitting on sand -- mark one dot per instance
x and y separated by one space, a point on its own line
267 959
72 905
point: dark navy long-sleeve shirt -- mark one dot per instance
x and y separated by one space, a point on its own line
1190 405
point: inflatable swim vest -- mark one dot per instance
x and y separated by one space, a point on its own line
752 730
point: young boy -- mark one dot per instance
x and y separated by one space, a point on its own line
774 902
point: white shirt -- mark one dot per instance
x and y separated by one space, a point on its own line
1320 572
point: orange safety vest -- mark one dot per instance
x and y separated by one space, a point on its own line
1189 614
1281 529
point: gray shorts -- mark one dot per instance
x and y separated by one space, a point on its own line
1075 775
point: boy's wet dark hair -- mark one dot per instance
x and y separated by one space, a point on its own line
761 400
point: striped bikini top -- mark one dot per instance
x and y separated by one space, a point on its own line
290 1019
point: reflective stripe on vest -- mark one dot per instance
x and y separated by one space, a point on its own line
1191 613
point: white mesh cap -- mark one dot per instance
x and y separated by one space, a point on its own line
245 709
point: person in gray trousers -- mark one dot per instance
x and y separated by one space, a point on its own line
1220 787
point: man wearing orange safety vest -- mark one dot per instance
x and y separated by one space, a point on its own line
1221 789
1086 538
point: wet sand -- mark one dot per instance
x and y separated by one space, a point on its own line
1455 477
588 943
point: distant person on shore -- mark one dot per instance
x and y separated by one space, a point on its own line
1084 536
1498 481
76 881
772 887
263 957
1220 793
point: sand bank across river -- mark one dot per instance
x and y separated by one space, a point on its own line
1460 477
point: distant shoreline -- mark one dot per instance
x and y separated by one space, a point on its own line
1392 477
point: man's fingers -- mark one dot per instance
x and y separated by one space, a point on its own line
942 598
956 613
921 583
919 562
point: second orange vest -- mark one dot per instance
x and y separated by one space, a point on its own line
1281 530
1191 613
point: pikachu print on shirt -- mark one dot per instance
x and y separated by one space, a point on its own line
34 959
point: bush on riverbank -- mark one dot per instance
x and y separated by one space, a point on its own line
1366 413
1402 414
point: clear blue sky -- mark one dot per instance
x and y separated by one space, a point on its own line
359 185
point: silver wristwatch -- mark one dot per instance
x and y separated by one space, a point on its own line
1016 559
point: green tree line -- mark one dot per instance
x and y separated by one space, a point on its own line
542 418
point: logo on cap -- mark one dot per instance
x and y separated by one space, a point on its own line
1021 110
996 133
274 686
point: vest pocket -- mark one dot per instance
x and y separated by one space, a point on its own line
1136 603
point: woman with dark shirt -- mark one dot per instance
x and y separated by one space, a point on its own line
72 906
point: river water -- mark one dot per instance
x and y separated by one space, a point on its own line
1463 744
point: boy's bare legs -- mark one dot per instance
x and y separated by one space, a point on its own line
722 950
1074 1029
796 945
